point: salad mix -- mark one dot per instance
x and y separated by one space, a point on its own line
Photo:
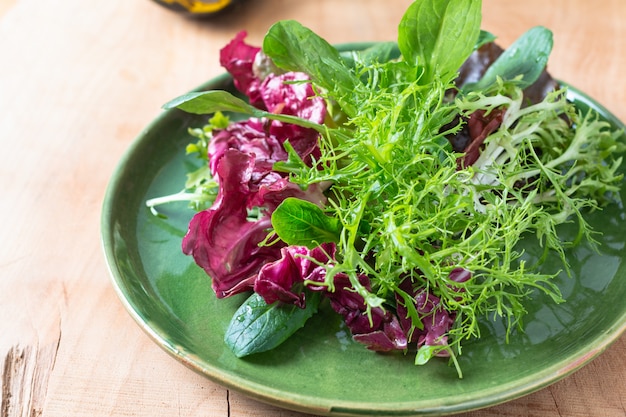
391 184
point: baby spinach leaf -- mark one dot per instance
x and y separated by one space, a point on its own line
294 47
439 35
258 327
526 58
302 223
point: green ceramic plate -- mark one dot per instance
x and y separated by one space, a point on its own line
320 370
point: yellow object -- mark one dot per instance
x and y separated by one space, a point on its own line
198 6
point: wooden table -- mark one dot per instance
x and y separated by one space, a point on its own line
79 80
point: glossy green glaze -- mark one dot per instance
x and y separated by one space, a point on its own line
320 370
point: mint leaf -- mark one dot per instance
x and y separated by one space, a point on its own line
258 327
439 35
526 58
302 223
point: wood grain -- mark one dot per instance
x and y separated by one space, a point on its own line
79 80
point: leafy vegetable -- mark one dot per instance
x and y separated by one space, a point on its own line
439 35
301 223
484 38
524 60
379 183
206 102
289 45
258 327
200 188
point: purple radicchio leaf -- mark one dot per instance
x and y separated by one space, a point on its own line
248 137
379 331
238 59
289 94
286 93
267 188
436 321
274 189
221 239
278 280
